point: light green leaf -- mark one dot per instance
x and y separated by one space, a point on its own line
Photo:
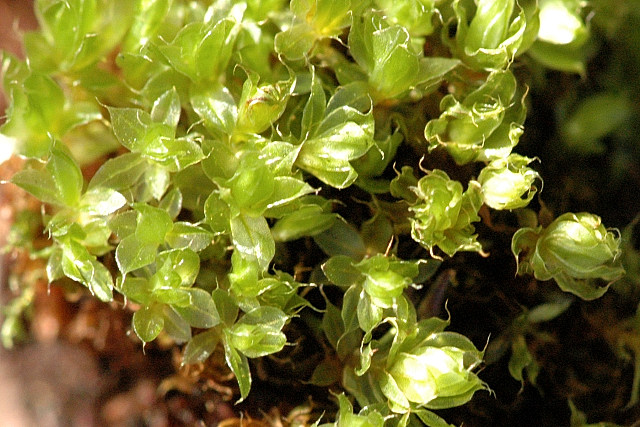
166 109
252 238
153 224
308 220
101 201
201 313
200 347
132 254
119 173
79 265
148 322
66 174
295 42
39 183
259 332
226 306
239 364
216 107
175 326
186 235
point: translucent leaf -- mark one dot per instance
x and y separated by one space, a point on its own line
369 314
200 347
153 224
201 313
295 42
166 109
183 262
217 213
340 270
216 107
148 18
66 174
101 201
119 173
175 326
315 107
132 254
148 322
172 203
341 239
39 183
186 235
309 220
137 289
239 364
79 265
226 306
258 333
252 238
177 297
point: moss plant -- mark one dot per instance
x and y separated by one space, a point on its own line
226 135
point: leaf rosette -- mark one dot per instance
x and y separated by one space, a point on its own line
574 250
443 214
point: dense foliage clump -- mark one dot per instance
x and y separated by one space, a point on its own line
240 173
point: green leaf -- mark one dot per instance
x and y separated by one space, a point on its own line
135 129
66 174
149 16
332 324
217 214
309 220
239 365
369 313
344 134
201 313
315 107
38 183
183 262
119 173
175 326
123 224
340 271
153 224
166 109
156 180
200 347
341 239
261 105
137 289
521 359
148 322
216 107
259 332
325 373
252 186
226 306
79 265
252 238
132 254
101 201
172 203
186 235
167 294
287 189
295 42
